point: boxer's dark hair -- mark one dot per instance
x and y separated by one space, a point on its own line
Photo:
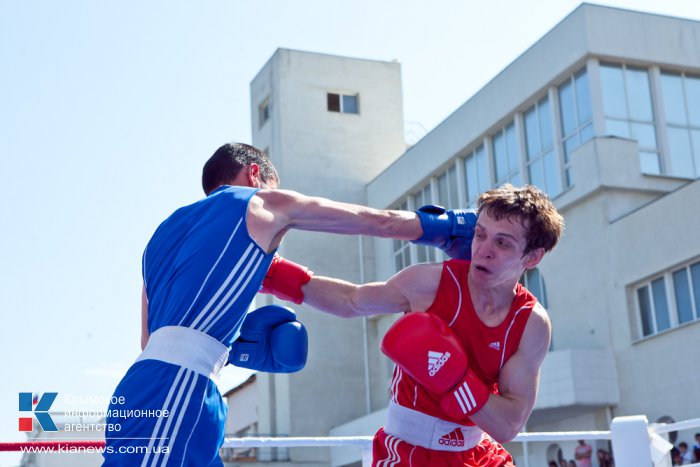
529 206
227 162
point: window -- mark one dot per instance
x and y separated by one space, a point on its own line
476 175
669 300
681 97
506 158
263 112
629 112
423 253
533 281
448 195
542 165
402 251
344 103
576 117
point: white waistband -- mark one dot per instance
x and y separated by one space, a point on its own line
429 432
187 348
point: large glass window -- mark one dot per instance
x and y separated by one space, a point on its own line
402 248
423 253
576 117
534 282
628 110
476 175
681 97
448 194
657 311
506 157
542 165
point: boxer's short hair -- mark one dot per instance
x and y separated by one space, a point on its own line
529 206
227 162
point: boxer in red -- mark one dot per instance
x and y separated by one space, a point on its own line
469 347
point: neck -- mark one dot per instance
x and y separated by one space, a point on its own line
491 300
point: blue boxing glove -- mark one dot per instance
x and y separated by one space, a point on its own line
271 340
450 230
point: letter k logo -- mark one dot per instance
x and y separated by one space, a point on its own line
40 411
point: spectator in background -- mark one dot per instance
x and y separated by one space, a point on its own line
583 453
604 458
676 456
572 463
696 448
686 455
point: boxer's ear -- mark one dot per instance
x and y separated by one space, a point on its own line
533 257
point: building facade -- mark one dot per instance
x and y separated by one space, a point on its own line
603 113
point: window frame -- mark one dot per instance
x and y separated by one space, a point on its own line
672 310
341 102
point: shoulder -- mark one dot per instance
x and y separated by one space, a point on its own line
537 333
418 283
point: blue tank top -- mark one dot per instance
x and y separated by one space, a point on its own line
202 269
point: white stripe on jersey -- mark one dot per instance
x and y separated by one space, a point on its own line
257 257
226 300
205 311
505 339
459 303
221 255
179 409
180 417
180 373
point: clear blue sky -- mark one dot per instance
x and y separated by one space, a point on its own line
108 110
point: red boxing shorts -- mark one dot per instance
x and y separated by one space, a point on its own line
388 451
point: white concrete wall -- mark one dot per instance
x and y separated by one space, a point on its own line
333 155
242 409
622 226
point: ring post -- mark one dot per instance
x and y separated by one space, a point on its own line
632 443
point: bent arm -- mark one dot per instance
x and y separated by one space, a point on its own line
272 212
504 415
411 289
144 318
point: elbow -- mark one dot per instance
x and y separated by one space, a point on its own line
506 432
505 435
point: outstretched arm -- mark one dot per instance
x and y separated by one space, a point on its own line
272 212
411 289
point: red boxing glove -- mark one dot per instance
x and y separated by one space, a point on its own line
430 352
284 279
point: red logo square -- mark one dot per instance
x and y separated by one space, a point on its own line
25 424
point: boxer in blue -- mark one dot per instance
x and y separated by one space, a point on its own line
201 270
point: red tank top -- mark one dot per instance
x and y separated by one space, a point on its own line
488 348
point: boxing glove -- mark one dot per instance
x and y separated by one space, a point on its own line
450 230
423 346
271 340
284 279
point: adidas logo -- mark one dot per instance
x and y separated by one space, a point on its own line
436 360
453 438
495 345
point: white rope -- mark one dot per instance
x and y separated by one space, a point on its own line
684 425
297 442
563 436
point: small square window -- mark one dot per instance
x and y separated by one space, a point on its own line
344 103
350 104
333 102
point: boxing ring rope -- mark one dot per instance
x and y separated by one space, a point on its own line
627 435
